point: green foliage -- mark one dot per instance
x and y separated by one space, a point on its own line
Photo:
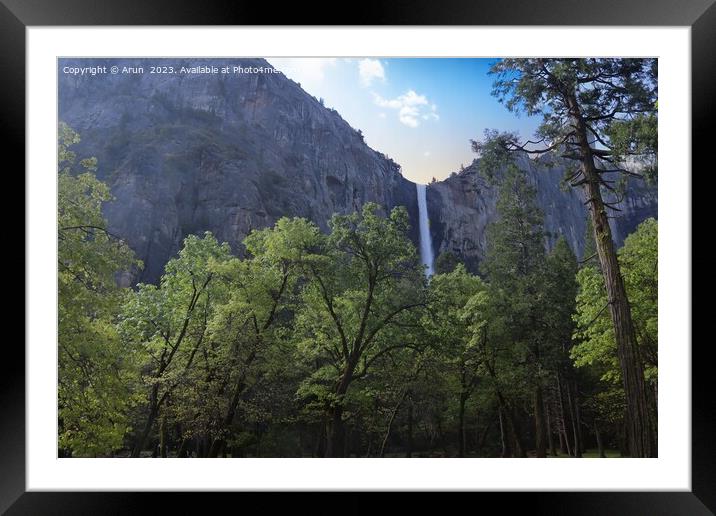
249 331
362 279
601 116
637 136
531 300
95 370
495 152
515 267
446 262
458 302
595 345
515 253
456 326
166 325
589 255
560 292
269 353
615 99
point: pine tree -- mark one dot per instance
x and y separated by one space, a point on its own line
515 266
600 114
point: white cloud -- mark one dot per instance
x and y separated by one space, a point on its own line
305 70
433 114
370 70
411 107
426 153
381 115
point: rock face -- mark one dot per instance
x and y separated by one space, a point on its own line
461 207
189 153
227 153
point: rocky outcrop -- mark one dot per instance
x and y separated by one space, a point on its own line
461 207
185 153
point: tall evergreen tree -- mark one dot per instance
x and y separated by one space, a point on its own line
515 266
560 294
602 115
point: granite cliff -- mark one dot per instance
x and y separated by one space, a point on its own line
461 207
226 153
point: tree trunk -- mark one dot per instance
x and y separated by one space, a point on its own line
409 451
577 448
483 436
320 448
563 416
511 426
390 423
217 447
183 448
163 438
578 416
503 437
550 437
520 450
640 434
335 432
203 448
335 436
540 427
348 440
600 445
623 437
372 435
508 415
144 434
461 425
219 443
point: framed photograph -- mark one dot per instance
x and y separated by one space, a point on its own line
420 252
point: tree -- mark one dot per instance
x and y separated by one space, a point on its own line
167 324
451 323
595 338
515 266
363 278
259 290
446 262
95 370
640 265
600 114
560 288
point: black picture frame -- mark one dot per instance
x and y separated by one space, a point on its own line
17 15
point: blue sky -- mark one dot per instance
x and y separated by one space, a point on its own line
422 112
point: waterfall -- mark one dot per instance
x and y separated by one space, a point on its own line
426 243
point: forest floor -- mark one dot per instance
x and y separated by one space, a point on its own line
589 453
592 453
